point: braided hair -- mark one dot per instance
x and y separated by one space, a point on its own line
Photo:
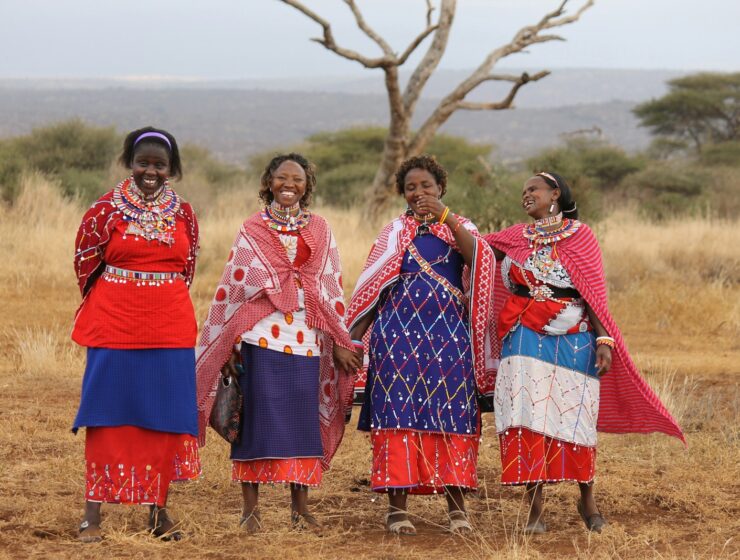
565 202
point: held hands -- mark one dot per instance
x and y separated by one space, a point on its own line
428 204
603 359
346 360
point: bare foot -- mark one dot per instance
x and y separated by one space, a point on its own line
305 520
162 526
252 522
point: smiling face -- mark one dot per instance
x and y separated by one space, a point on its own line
538 196
416 183
288 183
150 167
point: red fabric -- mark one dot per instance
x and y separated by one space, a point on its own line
117 315
130 465
527 456
532 314
383 267
627 403
305 471
258 279
95 231
423 462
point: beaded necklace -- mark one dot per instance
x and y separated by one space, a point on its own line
281 218
539 235
150 219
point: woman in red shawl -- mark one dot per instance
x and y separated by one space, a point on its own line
134 259
423 305
557 340
279 311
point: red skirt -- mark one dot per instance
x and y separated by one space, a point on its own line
528 457
304 471
423 462
130 465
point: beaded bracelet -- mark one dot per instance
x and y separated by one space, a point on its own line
358 344
443 217
605 341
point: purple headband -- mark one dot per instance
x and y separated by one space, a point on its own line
153 135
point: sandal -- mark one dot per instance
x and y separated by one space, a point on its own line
89 533
302 521
535 528
160 529
459 524
253 522
404 527
594 522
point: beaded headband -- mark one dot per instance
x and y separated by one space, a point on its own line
543 174
153 135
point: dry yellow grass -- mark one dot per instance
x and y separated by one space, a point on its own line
674 290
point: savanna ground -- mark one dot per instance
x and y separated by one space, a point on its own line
674 289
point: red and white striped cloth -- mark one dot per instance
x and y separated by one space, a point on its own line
258 279
627 403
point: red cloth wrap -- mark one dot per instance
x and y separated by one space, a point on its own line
627 403
258 279
95 232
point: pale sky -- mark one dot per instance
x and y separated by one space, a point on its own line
243 39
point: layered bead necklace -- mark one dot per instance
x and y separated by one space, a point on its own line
285 218
153 217
548 231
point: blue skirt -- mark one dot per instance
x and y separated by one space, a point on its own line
148 388
281 406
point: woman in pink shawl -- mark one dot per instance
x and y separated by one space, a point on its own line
279 312
557 340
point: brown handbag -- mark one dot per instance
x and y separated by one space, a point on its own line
226 414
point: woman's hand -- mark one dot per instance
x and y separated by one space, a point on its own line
346 360
229 368
428 204
603 359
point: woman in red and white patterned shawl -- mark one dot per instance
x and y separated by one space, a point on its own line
557 343
279 312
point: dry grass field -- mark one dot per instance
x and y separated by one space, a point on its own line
675 290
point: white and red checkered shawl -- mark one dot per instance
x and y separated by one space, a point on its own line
257 280
627 403
383 267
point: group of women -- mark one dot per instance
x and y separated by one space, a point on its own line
443 324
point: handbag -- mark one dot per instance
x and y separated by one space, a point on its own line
226 414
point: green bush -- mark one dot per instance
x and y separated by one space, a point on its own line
725 153
664 190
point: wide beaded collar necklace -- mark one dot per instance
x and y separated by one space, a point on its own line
284 219
542 232
153 219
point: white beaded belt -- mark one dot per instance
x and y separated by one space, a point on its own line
123 276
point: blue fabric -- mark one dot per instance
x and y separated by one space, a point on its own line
152 389
420 372
281 406
575 351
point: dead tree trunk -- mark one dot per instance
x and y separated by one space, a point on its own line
401 141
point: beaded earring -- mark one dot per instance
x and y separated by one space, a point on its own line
552 207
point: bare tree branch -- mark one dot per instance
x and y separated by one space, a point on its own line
506 102
415 43
367 30
430 10
328 40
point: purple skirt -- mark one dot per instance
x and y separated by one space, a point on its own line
281 406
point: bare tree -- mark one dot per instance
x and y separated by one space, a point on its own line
401 141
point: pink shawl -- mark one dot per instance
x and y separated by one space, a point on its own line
383 267
258 279
627 403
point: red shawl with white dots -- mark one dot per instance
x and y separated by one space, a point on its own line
627 403
257 280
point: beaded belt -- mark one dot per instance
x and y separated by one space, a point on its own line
543 292
122 276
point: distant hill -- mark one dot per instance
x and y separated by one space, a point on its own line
237 119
